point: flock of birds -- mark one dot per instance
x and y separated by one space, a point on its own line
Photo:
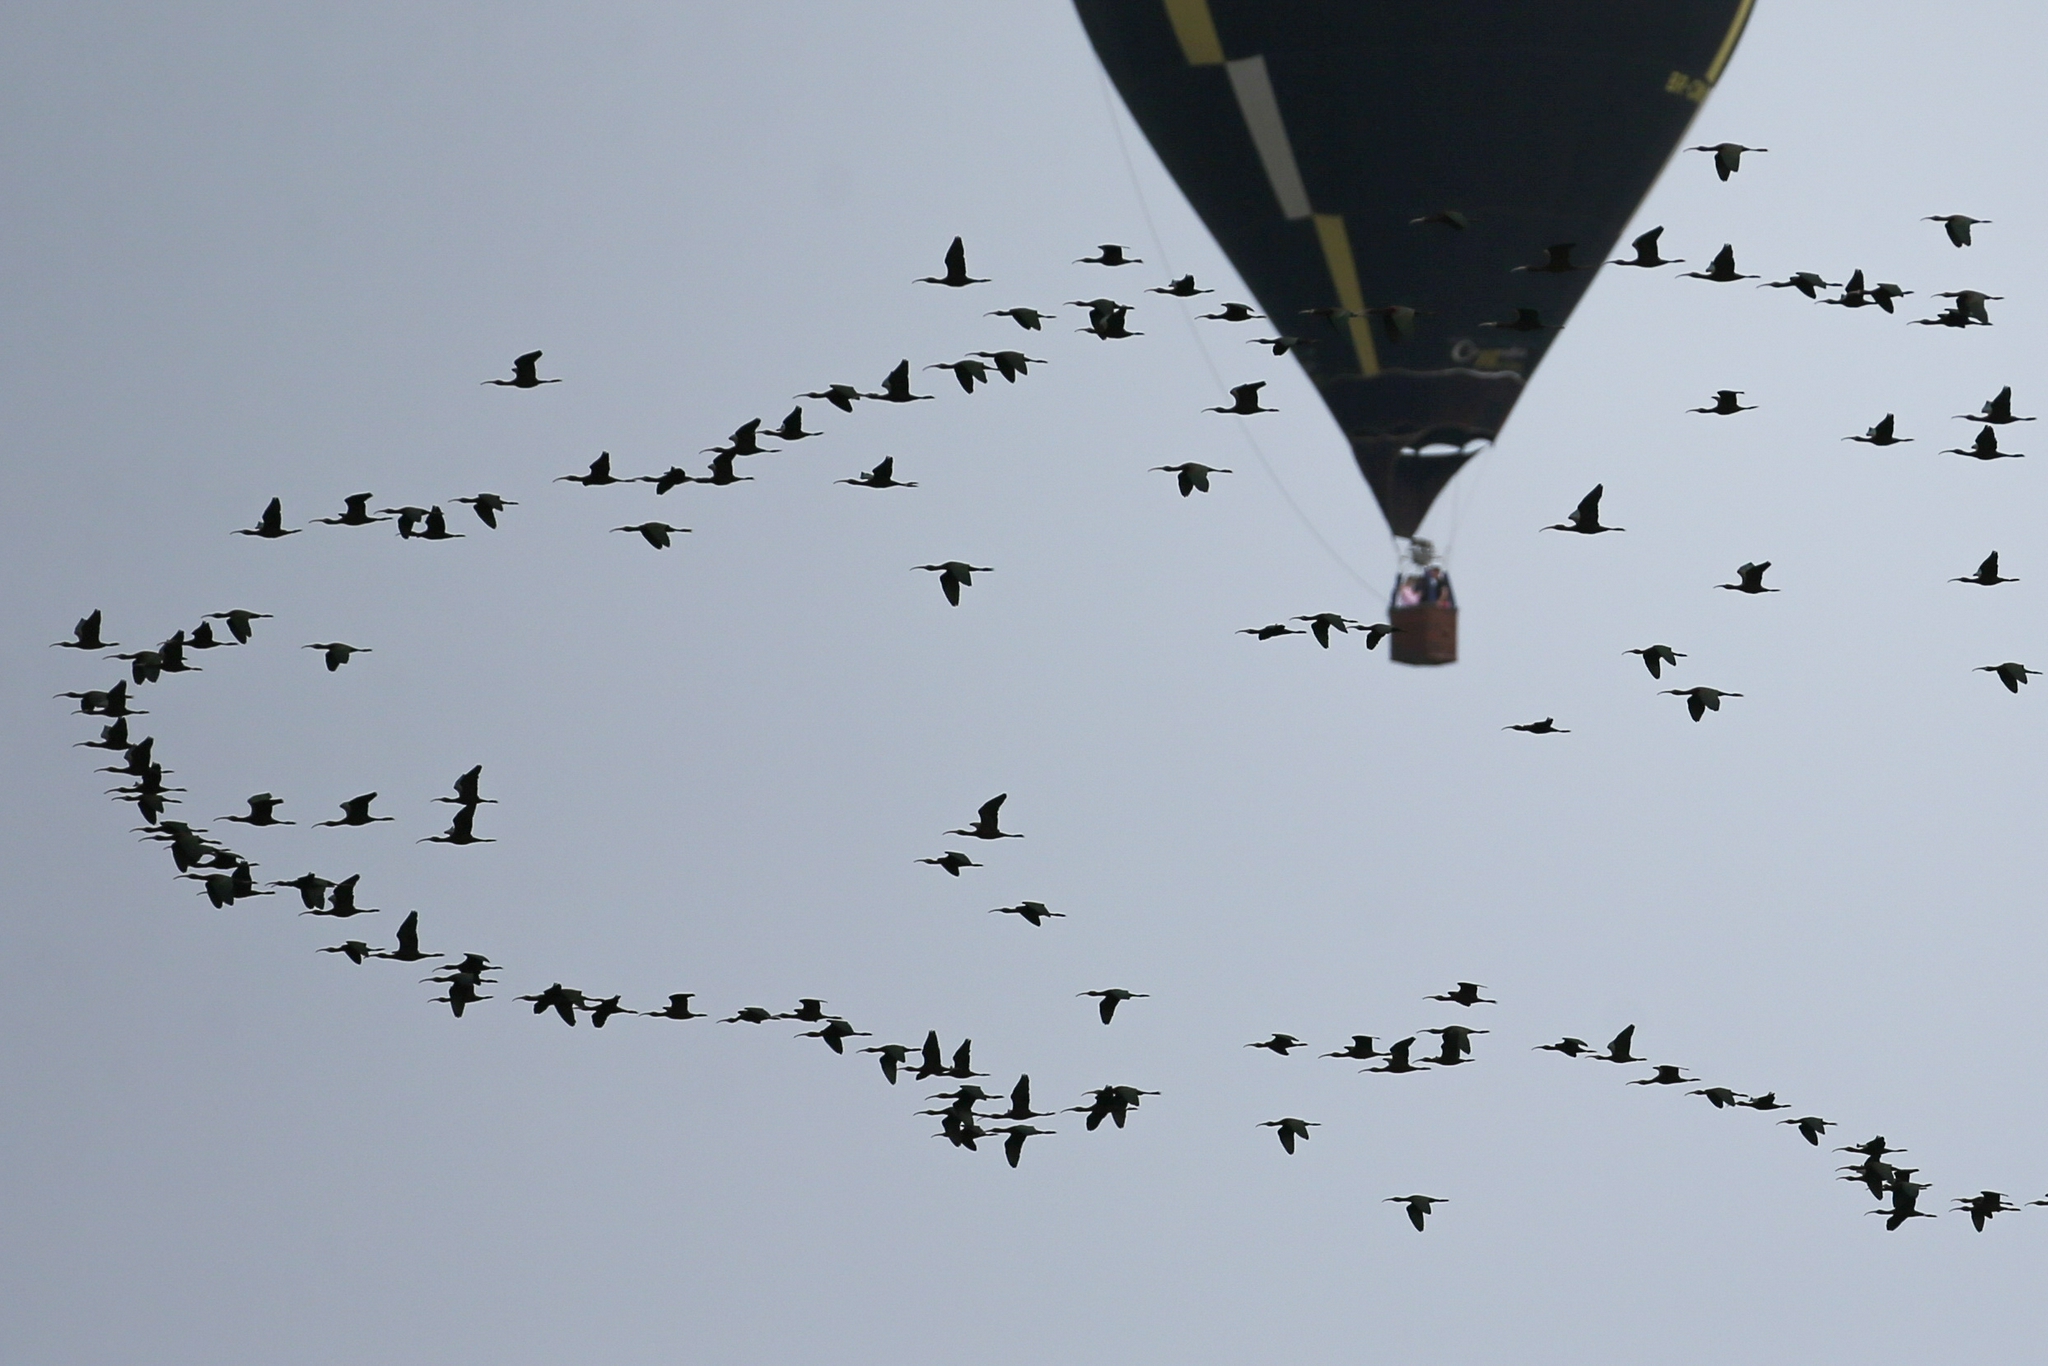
969 1114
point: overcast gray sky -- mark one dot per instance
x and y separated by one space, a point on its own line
271 251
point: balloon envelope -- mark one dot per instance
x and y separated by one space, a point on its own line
1308 134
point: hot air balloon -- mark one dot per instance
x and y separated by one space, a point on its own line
1423 190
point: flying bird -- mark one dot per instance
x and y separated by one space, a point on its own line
408 950
1183 288
1646 249
86 635
1987 574
2010 674
1194 476
1810 1127
1727 156
792 428
840 396
1322 623
1805 281
1465 994
678 1008
1279 1043
1618 1047
896 386
598 475
487 506
655 534
262 811
952 861
1290 1129
956 276
1030 319
968 372
1656 657
1570 1047
1665 1075
1397 1058
1557 260
1750 579
955 575
1111 255
1727 403
1525 320
460 830
1880 435
1244 401
525 373
1547 726
1232 313
1985 447
1720 1097
1032 911
1010 364
1585 518
355 511
356 811
1109 998
1997 410
882 476
987 821
1699 701
1956 225
270 525
1722 271
1280 346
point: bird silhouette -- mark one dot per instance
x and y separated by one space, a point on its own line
968 372
1457 1040
409 519
598 475
355 511
342 903
1557 260
1750 579
1360 1048
1194 477
202 638
1322 623
462 992
1720 1097
1618 1047
337 653
1183 288
1986 575
952 861
1722 271
1377 632
840 396
745 440
1013 1142
1585 518
1699 701
1997 410
564 1001
1032 911
487 506
270 525
1113 1103
1244 401
356 950
356 811
1646 249
86 635
239 622
1656 657
1269 632
655 534
1111 255
1805 281
603 1010
1290 1129
1280 346
1419 1207
896 386
835 1032
1107 321
1810 1127
678 1008
1727 156
1233 313
408 950
1880 435
792 427
525 373
987 821
1970 303
1985 447
262 809
2012 675
1466 994
1547 726
1884 292
1568 1046
893 1056
1665 1075
1279 1043
955 575
437 526
1010 364
1727 403
1109 998
467 786
930 1062
745 1015
459 830
1982 1207
956 276
882 476
1767 1101
1956 225
1030 319
1854 294
1397 1058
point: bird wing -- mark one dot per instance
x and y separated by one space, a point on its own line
1621 1042
992 808
1724 261
526 367
409 934
1588 511
956 258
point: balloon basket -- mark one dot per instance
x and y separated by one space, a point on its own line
1424 634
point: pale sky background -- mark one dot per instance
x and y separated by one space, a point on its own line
257 251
